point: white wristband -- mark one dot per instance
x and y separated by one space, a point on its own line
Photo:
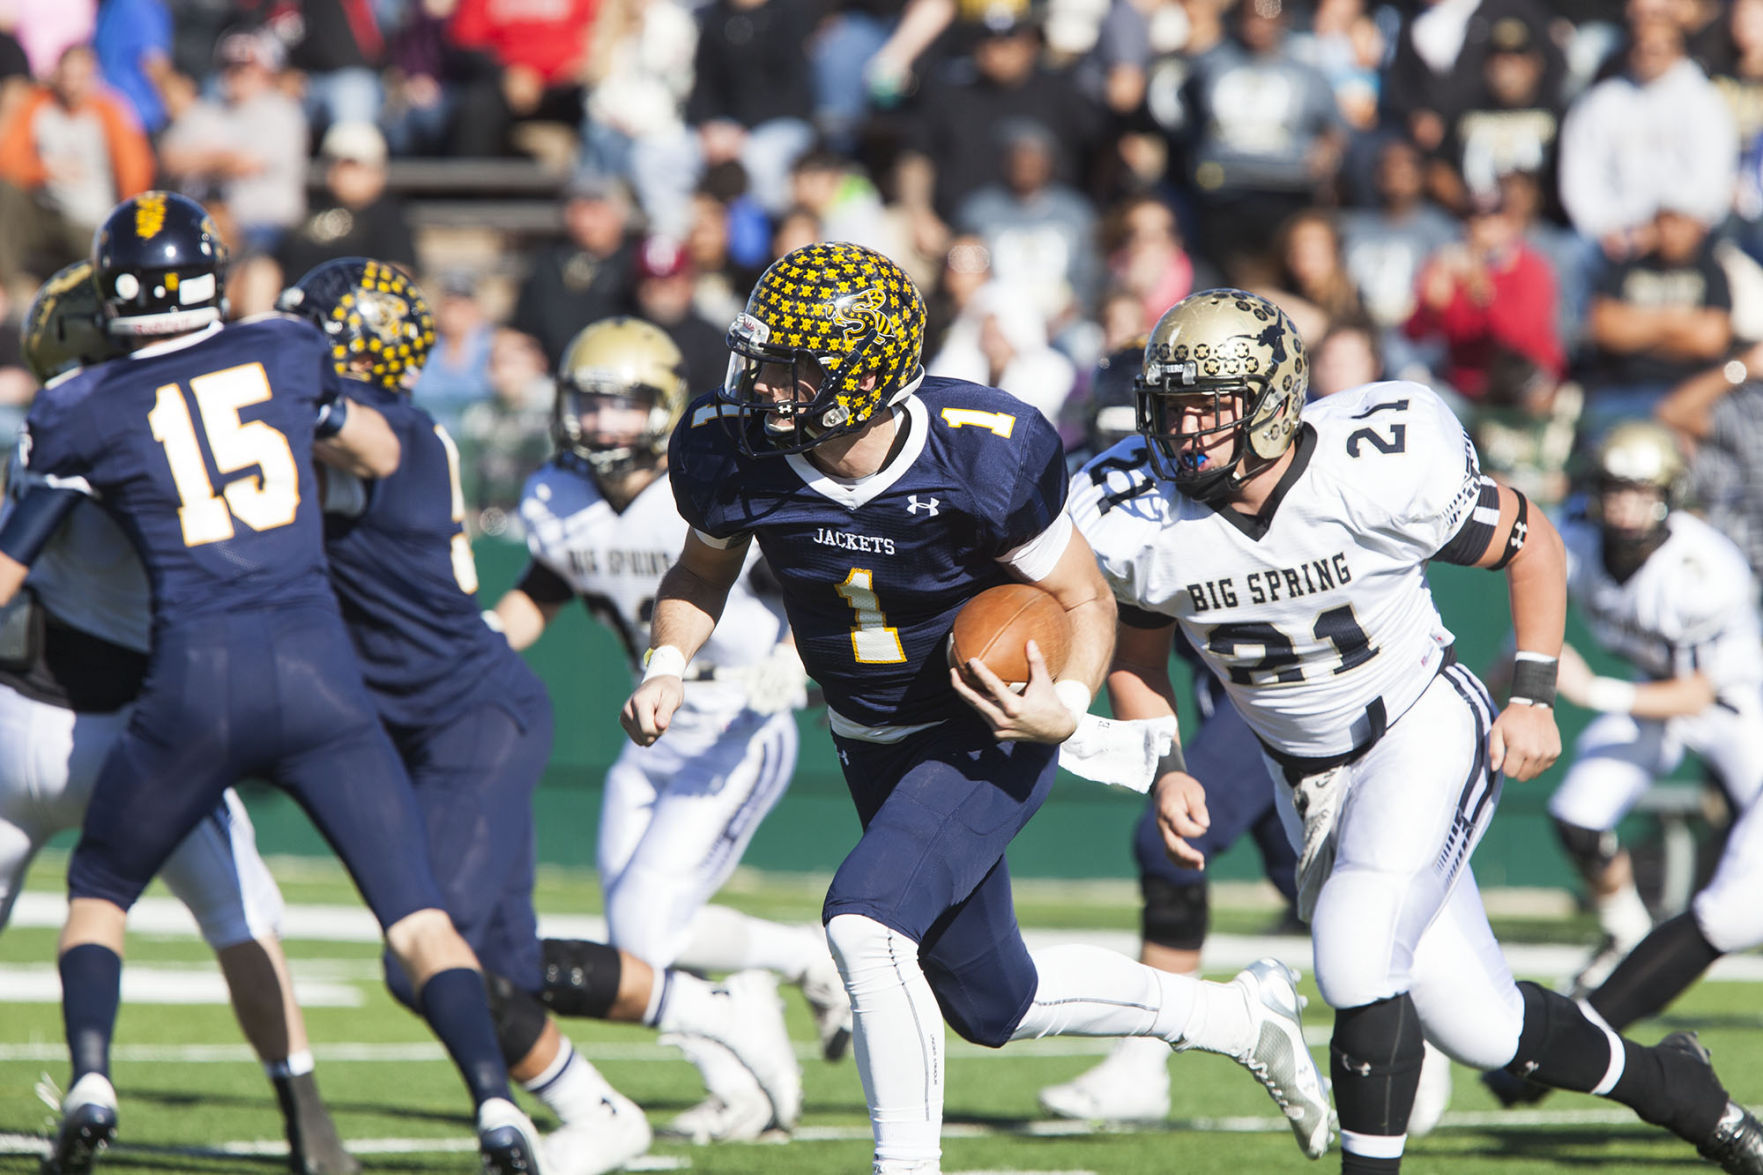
1610 695
1076 696
666 661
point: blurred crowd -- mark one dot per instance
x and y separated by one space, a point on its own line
1549 210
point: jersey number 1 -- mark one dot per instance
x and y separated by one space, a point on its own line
872 641
263 502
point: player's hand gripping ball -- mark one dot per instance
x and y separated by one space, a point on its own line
995 627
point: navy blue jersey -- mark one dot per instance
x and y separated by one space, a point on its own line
202 449
873 572
403 570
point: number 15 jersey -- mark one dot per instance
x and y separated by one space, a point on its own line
1315 614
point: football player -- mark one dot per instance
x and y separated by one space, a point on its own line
1674 596
676 817
73 650
1291 552
470 720
199 441
883 501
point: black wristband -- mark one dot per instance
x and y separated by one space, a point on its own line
1173 760
1533 680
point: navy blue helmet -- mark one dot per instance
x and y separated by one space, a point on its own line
160 266
378 324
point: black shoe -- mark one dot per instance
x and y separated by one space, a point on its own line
1514 1091
88 1124
313 1145
1737 1141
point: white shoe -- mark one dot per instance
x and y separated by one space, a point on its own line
1132 1085
605 1140
1433 1097
1610 951
506 1140
1279 1059
88 1124
824 989
753 1029
737 1110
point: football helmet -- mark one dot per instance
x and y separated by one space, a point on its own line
838 318
160 266
620 363
1636 455
1111 414
378 324
1236 357
63 329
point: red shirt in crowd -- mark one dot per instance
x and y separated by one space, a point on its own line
549 37
1516 313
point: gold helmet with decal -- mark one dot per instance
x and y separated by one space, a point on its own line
1636 454
840 319
1237 358
619 363
64 328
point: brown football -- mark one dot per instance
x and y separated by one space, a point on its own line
996 626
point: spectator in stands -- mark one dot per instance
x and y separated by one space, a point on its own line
457 374
715 292
1343 42
951 149
1041 233
133 43
847 205
47 29
840 51
587 276
1308 263
1000 340
966 268
664 296
639 73
1719 410
1660 125
533 62
69 151
1384 247
249 151
1511 122
797 228
1266 138
1347 356
1491 293
1742 87
1658 317
508 435
1574 259
1147 258
357 217
421 80
752 97
1525 425
338 45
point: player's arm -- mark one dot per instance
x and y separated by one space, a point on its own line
1525 544
356 439
1139 687
529 607
687 608
1690 693
29 525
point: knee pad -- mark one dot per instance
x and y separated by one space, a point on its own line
1174 916
518 1015
580 978
1590 850
1375 1059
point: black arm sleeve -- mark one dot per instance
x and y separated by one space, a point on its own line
544 586
1471 541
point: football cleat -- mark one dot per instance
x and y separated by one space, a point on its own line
1512 1090
824 989
1279 1059
737 1110
1433 1097
88 1124
1737 1141
607 1139
1131 1085
752 1027
313 1145
507 1144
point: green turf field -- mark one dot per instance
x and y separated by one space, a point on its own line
193 1100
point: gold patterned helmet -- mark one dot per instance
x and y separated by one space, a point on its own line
1636 454
1237 358
840 319
377 322
64 327
619 363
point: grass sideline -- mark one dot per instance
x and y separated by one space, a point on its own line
193 1101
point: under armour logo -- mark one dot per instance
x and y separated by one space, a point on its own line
844 758
929 505
1520 532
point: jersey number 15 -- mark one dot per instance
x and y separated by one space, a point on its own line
263 502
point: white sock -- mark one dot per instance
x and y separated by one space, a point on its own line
897 1030
1623 914
295 1064
721 939
569 1087
1144 1059
1090 991
684 1003
1220 1021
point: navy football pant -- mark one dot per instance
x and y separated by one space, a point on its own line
273 695
1226 757
474 777
938 810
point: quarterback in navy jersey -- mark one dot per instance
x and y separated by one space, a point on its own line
200 443
883 502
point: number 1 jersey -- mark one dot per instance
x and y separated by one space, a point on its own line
201 448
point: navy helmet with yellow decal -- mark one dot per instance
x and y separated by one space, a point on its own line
378 324
843 325
160 266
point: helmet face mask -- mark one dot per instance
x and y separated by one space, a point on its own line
621 388
839 324
378 324
1220 366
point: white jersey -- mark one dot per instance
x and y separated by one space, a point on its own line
1316 617
615 562
1691 606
